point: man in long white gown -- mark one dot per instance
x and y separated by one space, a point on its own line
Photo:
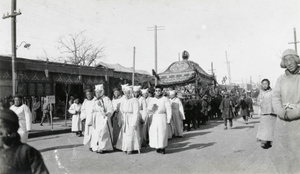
161 108
87 114
102 129
129 138
24 114
177 114
142 113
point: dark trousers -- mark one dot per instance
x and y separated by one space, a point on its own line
230 122
46 115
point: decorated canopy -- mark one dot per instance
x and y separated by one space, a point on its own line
183 72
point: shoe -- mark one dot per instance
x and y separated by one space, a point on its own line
163 151
41 124
100 151
80 135
225 127
158 150
266 145
129 152
90 149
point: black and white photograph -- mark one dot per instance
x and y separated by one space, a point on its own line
149 86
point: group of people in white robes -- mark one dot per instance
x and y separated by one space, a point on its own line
130 121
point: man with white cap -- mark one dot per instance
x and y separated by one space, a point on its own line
161 108
286 104
102 112
129 137
177 114
143 112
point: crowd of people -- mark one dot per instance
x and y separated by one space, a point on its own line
137 118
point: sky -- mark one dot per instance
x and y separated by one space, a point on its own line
254 33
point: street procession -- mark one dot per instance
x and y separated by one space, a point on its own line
83 90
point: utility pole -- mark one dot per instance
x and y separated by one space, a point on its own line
133 69
228 68
178 56
13 16
295 41
155 28
212 69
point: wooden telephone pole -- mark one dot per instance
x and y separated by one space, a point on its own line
295 40
13 17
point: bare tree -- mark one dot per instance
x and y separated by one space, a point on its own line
80 50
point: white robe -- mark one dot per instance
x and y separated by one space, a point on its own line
177 116
129 138
87 114
76 121
143 120
25 117
102 128
158 133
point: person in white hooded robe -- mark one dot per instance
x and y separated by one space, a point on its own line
142 113
102 141
129 137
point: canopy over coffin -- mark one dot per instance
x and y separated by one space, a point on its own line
184 71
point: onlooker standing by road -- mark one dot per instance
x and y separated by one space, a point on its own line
265 132
226 108
286 103
24 114
75 110
16 157
35 106
46 112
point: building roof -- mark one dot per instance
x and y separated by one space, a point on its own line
120 68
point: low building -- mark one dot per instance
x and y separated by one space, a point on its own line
37 78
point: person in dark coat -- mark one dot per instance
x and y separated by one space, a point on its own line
15 156
244 108
226 108
249 102
204 108
189 113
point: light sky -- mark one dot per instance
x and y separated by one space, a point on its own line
253 32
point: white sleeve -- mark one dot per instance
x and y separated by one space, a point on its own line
28 117
72 109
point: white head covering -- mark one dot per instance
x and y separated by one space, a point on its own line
172 92
136 88
128 88
124 86
144 91
99 87
289 52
